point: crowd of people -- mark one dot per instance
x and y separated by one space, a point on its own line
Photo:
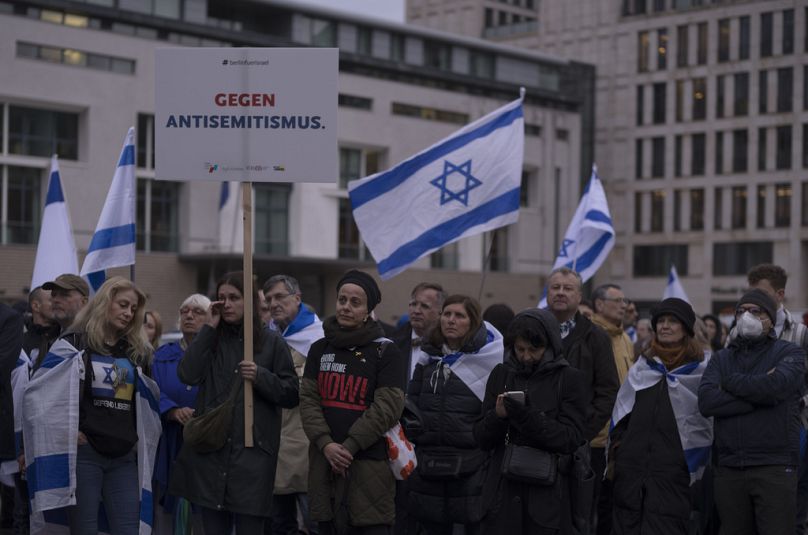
576 419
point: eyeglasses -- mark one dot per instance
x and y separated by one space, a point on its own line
194 311
755 311
623 300
276 297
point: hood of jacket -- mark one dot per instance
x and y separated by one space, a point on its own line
553 355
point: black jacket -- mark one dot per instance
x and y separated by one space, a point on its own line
402 338
588 348
39 337
11 325
551 420
753 390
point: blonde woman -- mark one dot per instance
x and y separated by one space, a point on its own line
153 325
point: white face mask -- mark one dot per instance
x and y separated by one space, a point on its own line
749 326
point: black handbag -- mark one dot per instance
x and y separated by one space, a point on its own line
529 465
208 432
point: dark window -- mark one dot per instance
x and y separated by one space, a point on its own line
35 132
349 244
656 260
638 212
723 40
272 218
659 5
785 89
397 47
784 147
805 145
696 209
763 91
718 209
677 156
642 51
658 157
498 252
788 31
532 130
364 40
740 146
701 51
353 101
638 163
489 17
720 95
23 204
562 134
766 34
502 18
782 205
437 55
761 206
677 210
524 189
662 49
660 99
762 148
481 64
739 207
640 105
805 87
719 153
323 32
680 96
145 141
447 257
430 114
350 166
736 258
699 99
741 103
681 46
743 42
804 210
657 211
698 154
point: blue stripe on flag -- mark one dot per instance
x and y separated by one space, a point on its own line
304 318
48 472
51 360
589 257
445 232
127 156
146 507
224 194
697 457
597 215
96 279
146 393
112 237
54 189
17 441
394 177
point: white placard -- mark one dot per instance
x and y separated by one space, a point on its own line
246 114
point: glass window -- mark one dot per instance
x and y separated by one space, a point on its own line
36 132
766 34
349 243
447 257
657 211
723 40
719 153
785 89
272 218
677 210
525 189
720 95
698 154
638 211
638 162
696 209
761 206
677 156
656 260
743 41
640 104
761 148
784 147
782 205
353 101
788 31
805 87
804 210
701 51
167 8
741 102
805 146
643 43
437 55
489 17
699 99
96 61
739 207
364 40
498 252
145 141
740 143
430 114
658 157
662 49
481 64
350 166
736 258
763 91
679 105
681 46
23 204
718 209
397 47
659 102
323 33
659 5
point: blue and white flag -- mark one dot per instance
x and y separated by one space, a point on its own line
113 244
463 185
19 381
56 248
231 215
674 287
695 431
304 330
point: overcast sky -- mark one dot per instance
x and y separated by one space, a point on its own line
392 10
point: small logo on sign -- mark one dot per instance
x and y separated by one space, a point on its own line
211 167
224 62
278 168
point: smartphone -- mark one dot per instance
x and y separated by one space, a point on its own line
516 395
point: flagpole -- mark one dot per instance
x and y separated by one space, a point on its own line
486 262
246 200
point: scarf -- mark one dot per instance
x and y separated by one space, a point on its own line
671 357
342 338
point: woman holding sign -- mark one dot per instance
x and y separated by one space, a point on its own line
233 484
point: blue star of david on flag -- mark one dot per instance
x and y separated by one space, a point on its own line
108 375
564 244
447 195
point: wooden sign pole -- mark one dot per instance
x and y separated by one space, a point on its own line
249 291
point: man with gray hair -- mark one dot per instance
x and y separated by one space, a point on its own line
426 302
300 328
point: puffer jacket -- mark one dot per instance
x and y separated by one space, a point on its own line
753 389
448 409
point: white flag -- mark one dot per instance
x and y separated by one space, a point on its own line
463 185
56 248
113 244
674 287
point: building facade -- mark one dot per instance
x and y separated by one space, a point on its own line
77 75
701 130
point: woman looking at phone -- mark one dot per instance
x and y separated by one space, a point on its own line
447 387
550 418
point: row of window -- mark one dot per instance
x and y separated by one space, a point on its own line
75 58
775 94
642 7
729 259
774 152
771 208
734 38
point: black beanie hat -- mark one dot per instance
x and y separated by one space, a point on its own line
762 299
364 281
679 309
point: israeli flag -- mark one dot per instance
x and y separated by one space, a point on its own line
56 248
463 185
674 287
304 330
231 215
113 244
